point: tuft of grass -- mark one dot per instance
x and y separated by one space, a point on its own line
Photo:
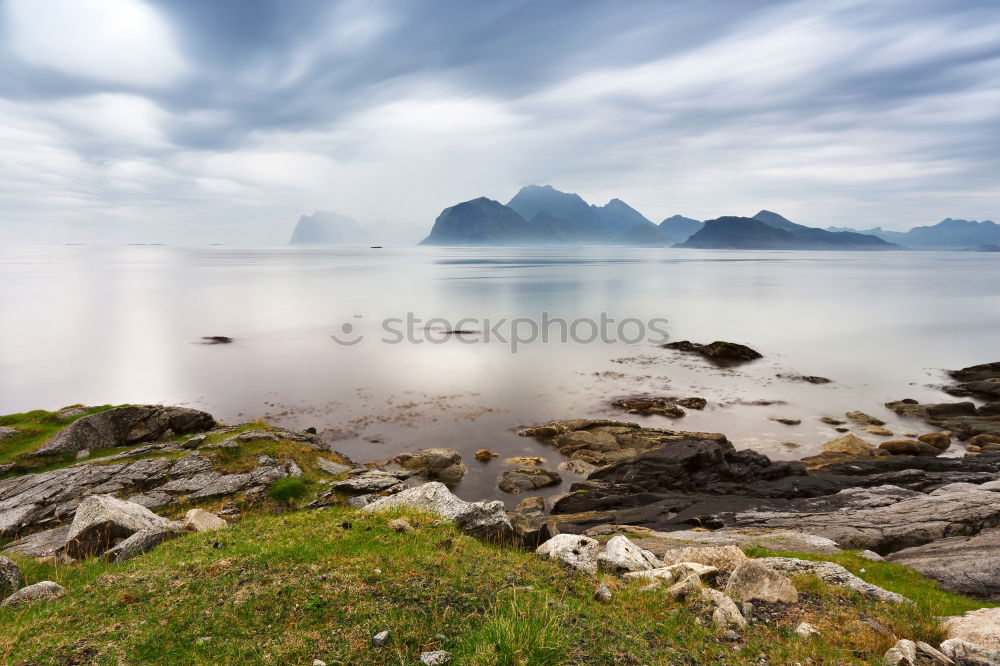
519 629
287 490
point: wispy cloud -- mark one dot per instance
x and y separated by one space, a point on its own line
195 121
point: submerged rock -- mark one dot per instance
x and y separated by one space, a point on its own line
438 464
517 481
646 406
909 447
865 419
720 352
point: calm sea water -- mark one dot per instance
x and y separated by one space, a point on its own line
99 325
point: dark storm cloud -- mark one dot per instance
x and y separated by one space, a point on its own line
232 115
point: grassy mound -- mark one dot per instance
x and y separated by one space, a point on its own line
319 584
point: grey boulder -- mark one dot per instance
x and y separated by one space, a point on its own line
578 552
965 653
141 542
517 481
479 519
102 521
621 555
124 426
752 581
11 578
43 591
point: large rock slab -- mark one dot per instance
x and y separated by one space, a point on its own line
881 519
40 544
970 654
480 519
968 565
529 522
125 426
102 521
980 626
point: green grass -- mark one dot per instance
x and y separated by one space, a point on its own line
320 584
35 428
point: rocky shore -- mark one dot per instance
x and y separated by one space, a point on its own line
667 508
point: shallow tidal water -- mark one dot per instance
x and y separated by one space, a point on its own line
100 325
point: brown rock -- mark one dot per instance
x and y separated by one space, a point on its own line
984 439
908 447
878 430
939 440
866 419
485 455
785 421
850 445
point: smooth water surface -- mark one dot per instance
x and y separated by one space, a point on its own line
99 325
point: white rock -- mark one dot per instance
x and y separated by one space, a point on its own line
674 572
602 594
379 639
199 520
871 555
480 519
621 555
725 557
806 630
577 551
726 611
435 658
981 627
970 654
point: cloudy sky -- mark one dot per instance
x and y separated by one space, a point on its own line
224 120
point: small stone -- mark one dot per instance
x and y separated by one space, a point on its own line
435 658
319 662
199 520
866 419
871 555
806 630
681 590
785 421
878 430
730 635
379 639
400 525
83 453
602 594
204 640
485 455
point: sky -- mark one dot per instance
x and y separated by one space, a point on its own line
189 121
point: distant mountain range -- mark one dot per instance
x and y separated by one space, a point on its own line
543 215
948 234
